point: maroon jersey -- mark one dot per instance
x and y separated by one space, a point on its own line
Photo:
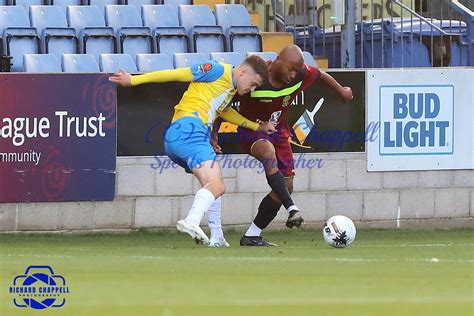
267 103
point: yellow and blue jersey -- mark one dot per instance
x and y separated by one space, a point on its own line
209 93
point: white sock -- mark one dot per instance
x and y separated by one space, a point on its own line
202 201
253 230
214 219
293 207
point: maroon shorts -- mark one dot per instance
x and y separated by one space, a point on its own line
284 155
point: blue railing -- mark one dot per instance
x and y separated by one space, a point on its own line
377 33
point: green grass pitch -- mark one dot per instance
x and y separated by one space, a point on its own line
384 272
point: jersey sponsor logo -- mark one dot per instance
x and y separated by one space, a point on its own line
275 117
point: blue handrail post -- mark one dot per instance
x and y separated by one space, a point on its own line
348 36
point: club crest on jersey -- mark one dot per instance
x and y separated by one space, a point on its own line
205 68
286 100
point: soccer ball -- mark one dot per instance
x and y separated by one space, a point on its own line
339 231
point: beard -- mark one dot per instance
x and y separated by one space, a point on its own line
280 77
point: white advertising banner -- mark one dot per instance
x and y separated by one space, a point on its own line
425 119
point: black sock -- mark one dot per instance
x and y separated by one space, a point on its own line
267 210
278 184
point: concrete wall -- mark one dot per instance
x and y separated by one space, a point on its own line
148 198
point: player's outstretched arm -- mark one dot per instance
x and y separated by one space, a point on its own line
121 78
344 92
124 79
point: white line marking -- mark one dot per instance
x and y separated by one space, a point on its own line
33 255
263 258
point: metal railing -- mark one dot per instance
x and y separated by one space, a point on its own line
377 33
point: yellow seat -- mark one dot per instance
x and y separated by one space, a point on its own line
210 3
276 41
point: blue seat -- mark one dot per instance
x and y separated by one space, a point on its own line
18 37
309 60
264 55
79 63
24 3
233 58
205 36
114 62
176 3
153 62
138 3
101 3
94 37
63 4
56 37
163 21
132 37
41 63
183 60
241 35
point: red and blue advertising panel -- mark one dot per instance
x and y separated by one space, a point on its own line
57 137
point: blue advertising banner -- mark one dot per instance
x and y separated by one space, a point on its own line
57 137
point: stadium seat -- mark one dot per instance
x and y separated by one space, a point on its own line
79 63
153 62
183 60
132 37
138 3
176 3
114 62
41 63
241 35
264 55
163 22
205 36
18 37
56 37
94 37
232 58
309 60
65 3
101 3
24 3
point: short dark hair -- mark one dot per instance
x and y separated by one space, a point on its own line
258 65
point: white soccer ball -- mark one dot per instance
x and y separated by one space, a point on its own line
339 231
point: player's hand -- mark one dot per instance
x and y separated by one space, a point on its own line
267 127
346 94
214 143
122 78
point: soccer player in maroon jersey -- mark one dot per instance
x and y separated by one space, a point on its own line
288 76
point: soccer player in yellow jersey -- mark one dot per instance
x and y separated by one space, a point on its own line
186 140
